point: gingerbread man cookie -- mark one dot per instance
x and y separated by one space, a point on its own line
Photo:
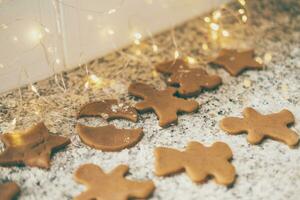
32 147
9 191
191 81
259 126
110 186
235 61
198 161
163 102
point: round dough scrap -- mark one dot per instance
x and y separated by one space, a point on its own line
109 109
109 138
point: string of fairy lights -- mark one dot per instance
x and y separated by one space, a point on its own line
213 29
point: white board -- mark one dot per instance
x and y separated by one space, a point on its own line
77 31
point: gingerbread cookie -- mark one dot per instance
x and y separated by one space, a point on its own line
163 102
108 109
259 126
235 61
110 186
191 81
198 161
9 191
32 147
109 138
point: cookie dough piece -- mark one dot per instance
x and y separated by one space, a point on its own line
259 126
110 186
9 191
191 81
108 109
163 102
32 147
109 138
198 161
172 66
235 62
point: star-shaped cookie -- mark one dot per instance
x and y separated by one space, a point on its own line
235 62
259 126
31 147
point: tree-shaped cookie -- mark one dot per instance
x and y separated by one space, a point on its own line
110 186
163 102
191 81
32 147
9 191
198 161
259 126
235 61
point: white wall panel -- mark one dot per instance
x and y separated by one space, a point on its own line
77 31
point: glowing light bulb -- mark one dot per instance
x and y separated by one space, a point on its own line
259 60
36 35
241 11
137 42
244 18
154 73
225 33
214 26
137 35
94 78
217 15
204 46
47 30
242 2
35 90
86 85
176 54
14 121
207 20
57 60
155 48
191 60
111 11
